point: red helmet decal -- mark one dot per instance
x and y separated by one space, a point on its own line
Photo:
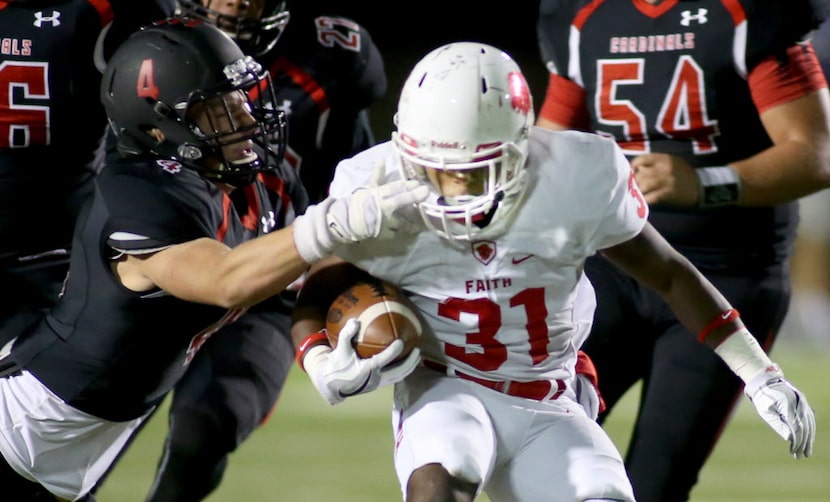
519 92
146 85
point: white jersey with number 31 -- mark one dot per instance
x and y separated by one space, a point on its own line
516 306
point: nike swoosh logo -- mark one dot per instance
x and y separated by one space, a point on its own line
726 315
516 261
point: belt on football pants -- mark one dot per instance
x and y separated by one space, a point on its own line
538 390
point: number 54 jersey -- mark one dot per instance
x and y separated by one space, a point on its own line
515 305
688 79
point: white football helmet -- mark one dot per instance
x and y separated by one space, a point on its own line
463 120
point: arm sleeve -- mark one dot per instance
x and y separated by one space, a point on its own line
142 217
564 101
776 81
627 211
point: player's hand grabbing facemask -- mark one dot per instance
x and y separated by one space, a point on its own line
371 212
339 373
785 409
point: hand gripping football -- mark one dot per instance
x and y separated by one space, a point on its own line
385 315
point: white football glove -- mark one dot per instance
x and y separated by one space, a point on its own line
339 373
395 372
403 219
587 395
585 386
370 212
784 408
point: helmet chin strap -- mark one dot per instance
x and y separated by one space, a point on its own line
486 218
228 174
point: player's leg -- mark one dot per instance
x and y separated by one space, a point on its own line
230 388
691 394
561 456
33 422
118 457
445 446
434 482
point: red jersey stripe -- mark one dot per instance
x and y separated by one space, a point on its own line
773 82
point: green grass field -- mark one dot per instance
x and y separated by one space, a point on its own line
309 451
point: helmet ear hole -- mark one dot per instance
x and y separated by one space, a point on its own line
466 108
163 110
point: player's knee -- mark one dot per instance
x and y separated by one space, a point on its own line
433 483
200 435
608 485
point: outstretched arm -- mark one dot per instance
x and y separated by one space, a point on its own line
702 309
655 263
207 271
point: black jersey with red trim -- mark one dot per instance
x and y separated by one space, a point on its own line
113 352
327 70
685 78
51 120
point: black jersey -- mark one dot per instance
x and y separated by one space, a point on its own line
113 352
672 78
326 72
51 120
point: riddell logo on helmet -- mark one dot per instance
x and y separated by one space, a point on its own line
445 144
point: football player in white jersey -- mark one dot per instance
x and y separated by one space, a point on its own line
496 271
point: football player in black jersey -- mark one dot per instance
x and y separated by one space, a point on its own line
192 228
326 72
48 79
724 113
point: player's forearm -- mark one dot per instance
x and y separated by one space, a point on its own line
783 173
654 263
705 312
696 302
207 271
799 161
260 268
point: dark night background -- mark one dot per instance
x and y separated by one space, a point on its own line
406 31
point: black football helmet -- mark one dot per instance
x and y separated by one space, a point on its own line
161 71
254 36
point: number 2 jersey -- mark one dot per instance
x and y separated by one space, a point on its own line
515 306
326 71
113 352
687 78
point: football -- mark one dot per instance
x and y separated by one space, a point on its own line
385 315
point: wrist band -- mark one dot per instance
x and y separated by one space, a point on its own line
718 186
744 356
318 338
585 366
725 317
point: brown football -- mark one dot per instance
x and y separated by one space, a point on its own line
385 315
